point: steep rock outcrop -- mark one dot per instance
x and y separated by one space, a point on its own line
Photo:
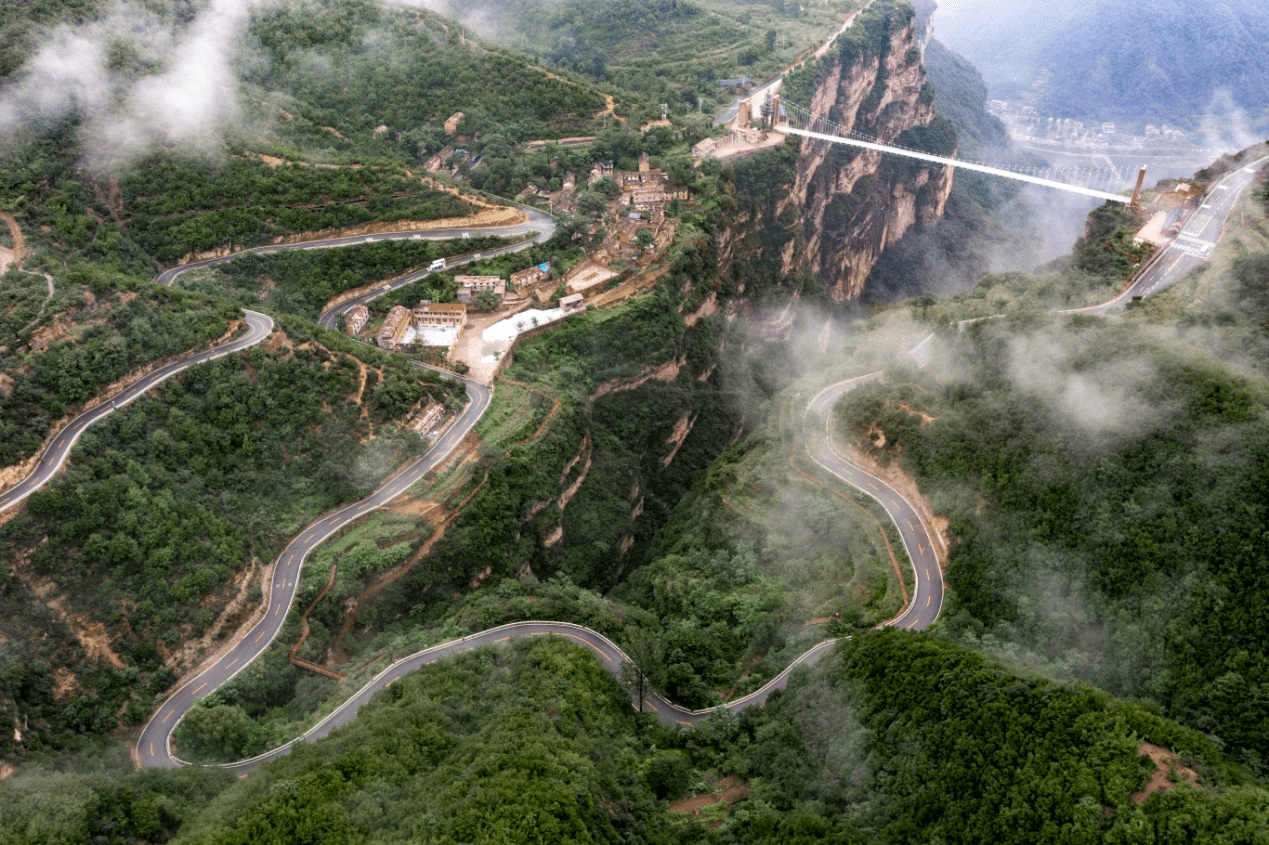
852 203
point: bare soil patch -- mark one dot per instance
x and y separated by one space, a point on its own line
91 635
682 429
667 372
730 790
231 615
1168 773
15 234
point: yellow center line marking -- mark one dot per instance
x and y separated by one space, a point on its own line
921 548
681 722
168 716
927 572
587 642
231 665
309 537
152 749
910 525
200 687
337 521
503 640
873 486
276 609
927 600
261 634
650 705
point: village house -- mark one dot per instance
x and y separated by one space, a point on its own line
601 170
572 302
469 286
526 280
395 331
444 314
356 318
650 197
453 122
704 147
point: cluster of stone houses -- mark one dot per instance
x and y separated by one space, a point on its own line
648 188
404 326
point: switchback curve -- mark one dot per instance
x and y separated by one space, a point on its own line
153 746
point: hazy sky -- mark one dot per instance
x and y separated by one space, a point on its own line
1001 36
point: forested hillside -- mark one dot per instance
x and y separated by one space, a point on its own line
674 52
159 527
896 737
1114 531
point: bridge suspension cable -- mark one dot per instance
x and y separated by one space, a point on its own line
796 120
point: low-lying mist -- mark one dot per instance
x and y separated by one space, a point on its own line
137 81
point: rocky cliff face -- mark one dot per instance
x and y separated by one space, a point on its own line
852 203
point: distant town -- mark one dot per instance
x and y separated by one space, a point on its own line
1026 124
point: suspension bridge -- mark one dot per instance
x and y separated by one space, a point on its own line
792 119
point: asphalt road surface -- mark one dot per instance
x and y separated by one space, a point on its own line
152 747
927 598
259 326
1191 247
538 223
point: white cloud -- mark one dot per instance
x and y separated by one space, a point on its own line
186 103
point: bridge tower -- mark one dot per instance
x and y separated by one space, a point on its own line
1136 192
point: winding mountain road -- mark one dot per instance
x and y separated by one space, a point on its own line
537 222
259 326
153 746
